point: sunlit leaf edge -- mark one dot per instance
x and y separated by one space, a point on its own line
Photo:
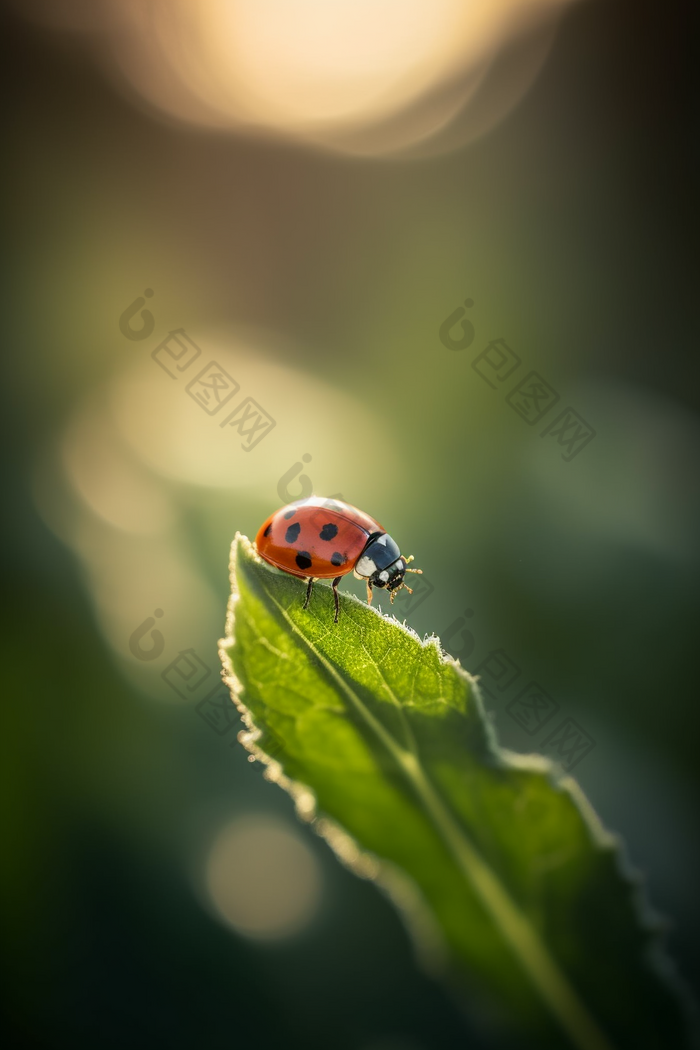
397 884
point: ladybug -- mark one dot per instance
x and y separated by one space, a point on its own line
319 539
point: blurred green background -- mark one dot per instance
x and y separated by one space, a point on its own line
319 276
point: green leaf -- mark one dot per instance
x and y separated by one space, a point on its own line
500 866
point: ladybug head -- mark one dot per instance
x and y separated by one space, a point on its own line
391 577
382 565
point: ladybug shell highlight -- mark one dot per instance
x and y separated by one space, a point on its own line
316 537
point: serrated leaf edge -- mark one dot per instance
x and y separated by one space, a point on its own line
552 984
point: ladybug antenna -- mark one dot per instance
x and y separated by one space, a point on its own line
407 560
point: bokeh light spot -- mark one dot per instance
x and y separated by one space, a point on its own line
109 481
262 878
328 73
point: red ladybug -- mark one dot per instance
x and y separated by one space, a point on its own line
319 538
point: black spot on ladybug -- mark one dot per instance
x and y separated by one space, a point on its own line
268 530
289 514
292 533
303 560
329 532
337 558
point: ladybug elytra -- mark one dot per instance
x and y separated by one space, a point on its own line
319 538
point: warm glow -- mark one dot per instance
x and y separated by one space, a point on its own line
312 61
329 73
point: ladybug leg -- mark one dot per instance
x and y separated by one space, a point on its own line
336 581
369 593
309 588
393 594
